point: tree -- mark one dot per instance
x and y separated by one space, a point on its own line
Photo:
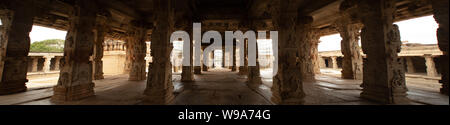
50 45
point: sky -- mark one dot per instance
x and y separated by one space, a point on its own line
419 30
39 33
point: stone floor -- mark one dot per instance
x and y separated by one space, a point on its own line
222 87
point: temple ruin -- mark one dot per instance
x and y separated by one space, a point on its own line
132 37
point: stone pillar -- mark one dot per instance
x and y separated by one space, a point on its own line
100 32
14 46
287 84
233 68
307 37
322 62
334 62
243 70
223 54
75 79
128 57
57 62
254 76
384 75
315 53
47 63
431 68
202 67
410 65
440 11
138 50
211 60
34 65
187 74
352 61
159 84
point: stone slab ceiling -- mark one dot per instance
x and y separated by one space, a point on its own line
221 12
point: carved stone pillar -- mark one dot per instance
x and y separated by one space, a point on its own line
75 79
138 50
57 62
322 62
199 69
440 11
315 53
384 75
307 36
233 68
14 46
410 65
159 84
128 56
352 61
100 32
34 65
187 74
334 62
243 70
431 68
287 84
254 76
47 63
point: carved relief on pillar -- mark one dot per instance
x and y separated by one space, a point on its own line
17 21
187 74
440 11
307 37
431 68
287 84
75 80
138 50
254 76
384 74
100 33
159 84
352 60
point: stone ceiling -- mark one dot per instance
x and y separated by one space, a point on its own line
218 13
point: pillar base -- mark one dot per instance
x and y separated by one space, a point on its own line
12 87
288 101
134 78
197 70
74 93
256 82
379 95
187 75
99 77
444 90
158 97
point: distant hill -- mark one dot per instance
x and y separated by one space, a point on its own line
50 45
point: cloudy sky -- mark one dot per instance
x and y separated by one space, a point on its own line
420 30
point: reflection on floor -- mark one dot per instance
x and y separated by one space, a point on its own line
222 87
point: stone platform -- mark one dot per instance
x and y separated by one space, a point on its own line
222 87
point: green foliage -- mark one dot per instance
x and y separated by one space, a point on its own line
50 45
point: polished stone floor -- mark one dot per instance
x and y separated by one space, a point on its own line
223 87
